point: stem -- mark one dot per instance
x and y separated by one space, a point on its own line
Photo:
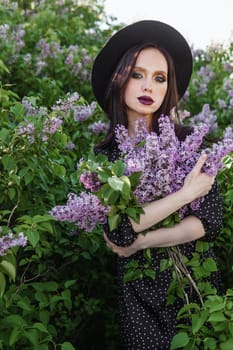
176 258
12 212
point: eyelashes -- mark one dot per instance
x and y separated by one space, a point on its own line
160 78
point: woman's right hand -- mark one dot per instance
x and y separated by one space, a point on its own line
197 183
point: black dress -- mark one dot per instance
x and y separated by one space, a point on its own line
146 321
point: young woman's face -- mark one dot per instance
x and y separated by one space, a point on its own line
147 86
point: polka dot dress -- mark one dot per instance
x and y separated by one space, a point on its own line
146 321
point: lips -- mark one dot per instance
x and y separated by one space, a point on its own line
145 100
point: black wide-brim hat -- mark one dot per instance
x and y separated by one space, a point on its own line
151 31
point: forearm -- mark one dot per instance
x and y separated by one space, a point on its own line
158 210
189 229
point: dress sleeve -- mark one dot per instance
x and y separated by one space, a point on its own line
123 235
210 214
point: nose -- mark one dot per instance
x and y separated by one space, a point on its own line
147 86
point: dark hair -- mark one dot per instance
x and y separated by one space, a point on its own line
114 95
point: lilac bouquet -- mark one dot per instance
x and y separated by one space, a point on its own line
151 168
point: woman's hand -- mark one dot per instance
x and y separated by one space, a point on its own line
125 251
197 183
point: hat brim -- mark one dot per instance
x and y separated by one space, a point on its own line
162 34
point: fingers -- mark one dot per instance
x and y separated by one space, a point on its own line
200 163
120 251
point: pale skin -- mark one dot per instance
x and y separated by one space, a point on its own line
150 79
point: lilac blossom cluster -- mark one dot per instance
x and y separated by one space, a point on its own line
206 116
163 160
68 106
32 110
74 57
98 127
85 210
27 130
14 37
205 75
50 126
90 181
10 240
77 59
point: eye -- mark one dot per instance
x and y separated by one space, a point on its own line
136 75
160 79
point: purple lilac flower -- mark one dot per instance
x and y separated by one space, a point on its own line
32 110
206 74
227 85
10 240
90 181
85 210
206 116
98 127
165 161
218 151
28 130
230 93
67 104
4 28
39 66
50 126
123 139
222 104
17 36
48 50
82 113
70 145
228 67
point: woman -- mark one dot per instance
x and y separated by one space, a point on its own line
142 72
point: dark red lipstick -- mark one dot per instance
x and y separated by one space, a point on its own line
145 100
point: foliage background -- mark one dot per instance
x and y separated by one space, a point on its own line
59 292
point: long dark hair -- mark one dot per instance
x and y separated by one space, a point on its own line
114 96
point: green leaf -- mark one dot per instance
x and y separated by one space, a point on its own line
3 67
8 268
33 237
113 221
2 284
134 179
150 273
70 283
116 183
227 345
118 168
210 265
210 343
15 335
113 197
17 109
4 135
198 320
164 264
134 213
179 340
67 346
202 246
40 327
8 162
217 316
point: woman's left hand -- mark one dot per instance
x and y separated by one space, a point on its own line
124 252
